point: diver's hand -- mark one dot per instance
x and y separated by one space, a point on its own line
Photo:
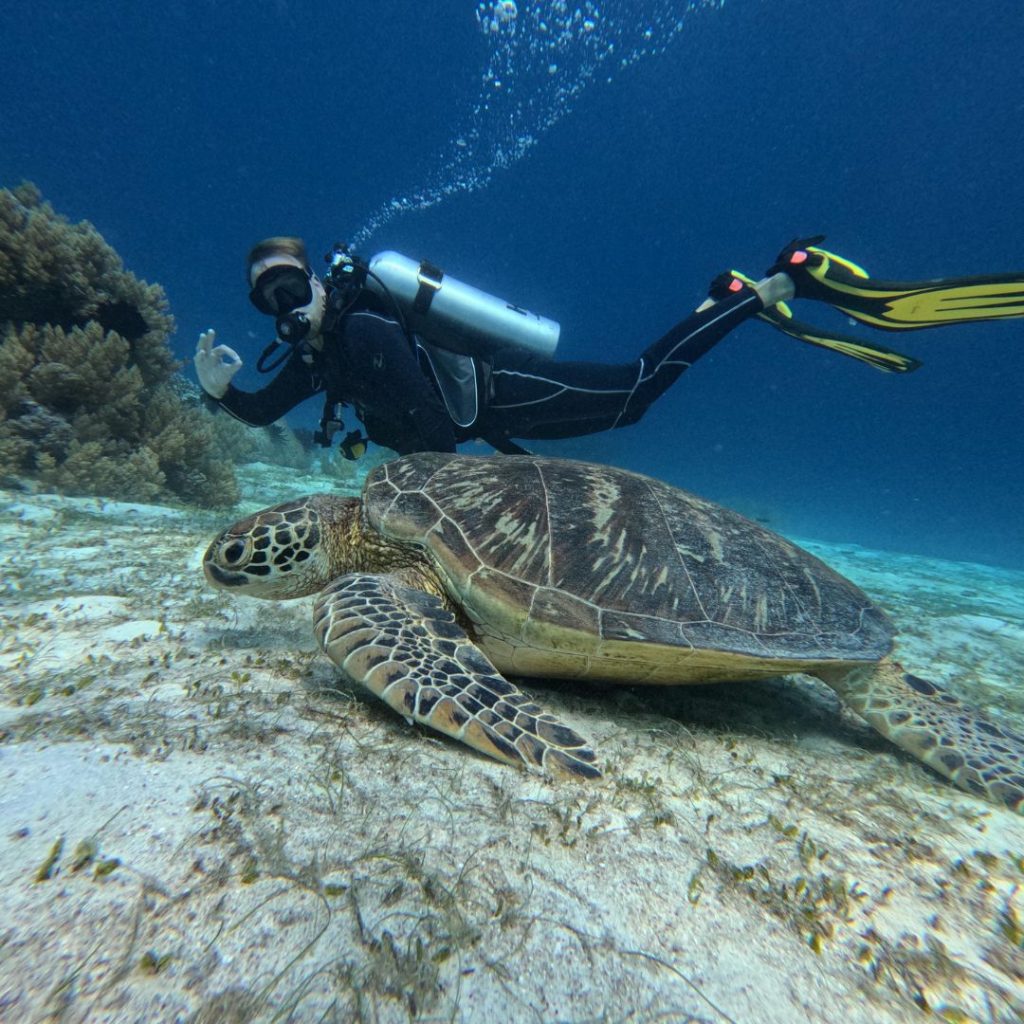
215 366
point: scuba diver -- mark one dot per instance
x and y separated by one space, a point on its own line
427 362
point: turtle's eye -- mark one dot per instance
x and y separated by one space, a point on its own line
234 552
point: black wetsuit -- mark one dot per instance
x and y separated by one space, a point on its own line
368 362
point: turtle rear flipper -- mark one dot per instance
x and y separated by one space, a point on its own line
404 646
979 755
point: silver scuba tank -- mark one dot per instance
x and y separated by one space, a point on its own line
455 315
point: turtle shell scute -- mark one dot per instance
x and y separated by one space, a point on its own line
609 553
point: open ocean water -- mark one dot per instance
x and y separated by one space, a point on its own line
198 824
187 130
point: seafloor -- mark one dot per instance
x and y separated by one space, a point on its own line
198 823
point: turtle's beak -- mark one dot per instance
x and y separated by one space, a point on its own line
222 577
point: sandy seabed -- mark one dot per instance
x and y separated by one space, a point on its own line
199 823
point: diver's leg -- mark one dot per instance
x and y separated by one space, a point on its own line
673 353
537 398
540 398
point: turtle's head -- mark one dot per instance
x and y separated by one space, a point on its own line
290 550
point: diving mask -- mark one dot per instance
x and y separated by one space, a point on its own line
281 289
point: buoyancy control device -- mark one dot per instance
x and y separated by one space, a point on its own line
449 313
450 325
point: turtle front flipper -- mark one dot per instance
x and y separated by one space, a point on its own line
979 755
403 645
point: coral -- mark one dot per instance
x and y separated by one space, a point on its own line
55 272
277 444
90 398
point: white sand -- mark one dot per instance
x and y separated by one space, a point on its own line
290 851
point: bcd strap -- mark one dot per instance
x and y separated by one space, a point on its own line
429 279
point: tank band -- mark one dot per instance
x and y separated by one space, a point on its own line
429 279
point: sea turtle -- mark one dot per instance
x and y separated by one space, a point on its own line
452 571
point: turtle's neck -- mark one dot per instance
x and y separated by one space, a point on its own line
355 546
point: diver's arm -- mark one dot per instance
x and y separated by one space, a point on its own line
292 385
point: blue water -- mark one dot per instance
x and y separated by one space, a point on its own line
187 130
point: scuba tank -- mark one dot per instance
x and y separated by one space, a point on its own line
451 314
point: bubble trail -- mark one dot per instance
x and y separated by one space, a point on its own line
542 57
